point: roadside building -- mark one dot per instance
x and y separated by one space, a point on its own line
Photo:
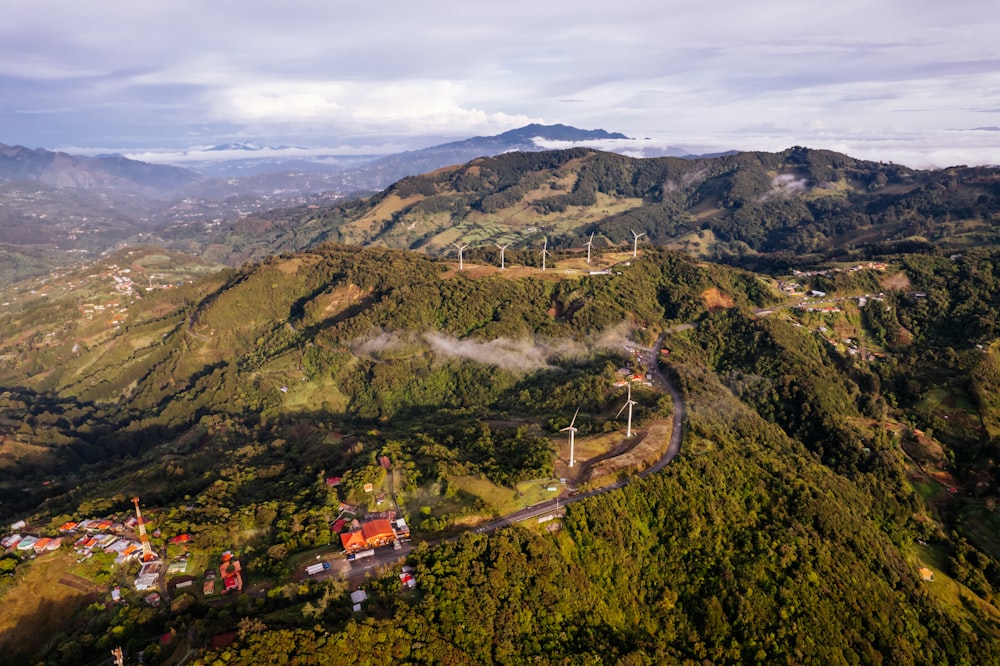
378 533
354 540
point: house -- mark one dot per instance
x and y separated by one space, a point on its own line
10 541
378 532
338 526
68 526
180 538
333 481
40 545
926 574
354 540
358 596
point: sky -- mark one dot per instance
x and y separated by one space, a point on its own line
911 81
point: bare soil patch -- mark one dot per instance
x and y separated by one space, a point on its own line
716 300
898 281
647 452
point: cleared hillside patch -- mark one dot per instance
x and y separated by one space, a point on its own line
36 605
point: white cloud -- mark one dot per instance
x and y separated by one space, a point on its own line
723 74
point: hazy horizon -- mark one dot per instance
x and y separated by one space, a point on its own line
912 82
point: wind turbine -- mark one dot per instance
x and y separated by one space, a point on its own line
635 243
590 244
628 403
545 251
572 435
461 248
503 248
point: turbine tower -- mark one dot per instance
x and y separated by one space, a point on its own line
545 252
590 244
461 248
503 248
635 243
147 550
572 436
628 403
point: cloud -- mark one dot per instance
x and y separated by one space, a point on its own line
520 355
422 106
728 75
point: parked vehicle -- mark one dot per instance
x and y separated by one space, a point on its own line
360 555
314 569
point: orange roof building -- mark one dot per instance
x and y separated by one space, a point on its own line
353 540
378 532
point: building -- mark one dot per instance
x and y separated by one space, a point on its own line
358 596
374 533
378 533
352 540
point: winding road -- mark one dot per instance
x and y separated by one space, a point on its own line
358 569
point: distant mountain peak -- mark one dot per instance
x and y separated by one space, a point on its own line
236 146
558 133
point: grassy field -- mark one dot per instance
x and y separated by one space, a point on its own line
36 604
947 590
506 500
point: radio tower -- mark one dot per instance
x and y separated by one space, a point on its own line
147 550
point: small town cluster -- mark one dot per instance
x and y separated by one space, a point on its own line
93 535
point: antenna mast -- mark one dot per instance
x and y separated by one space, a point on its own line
147 550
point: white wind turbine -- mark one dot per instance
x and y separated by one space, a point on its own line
635 243
545 252
461 248
628 403
503 248
572 436
590 244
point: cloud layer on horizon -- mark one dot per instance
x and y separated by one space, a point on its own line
905 77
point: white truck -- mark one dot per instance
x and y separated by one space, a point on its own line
360 555
314 569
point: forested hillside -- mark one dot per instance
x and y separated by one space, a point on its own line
761 210
834 447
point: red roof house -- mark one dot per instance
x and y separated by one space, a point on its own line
353 540
378 532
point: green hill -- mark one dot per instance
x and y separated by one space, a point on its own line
761 209
809 492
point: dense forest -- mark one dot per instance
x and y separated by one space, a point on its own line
840 438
